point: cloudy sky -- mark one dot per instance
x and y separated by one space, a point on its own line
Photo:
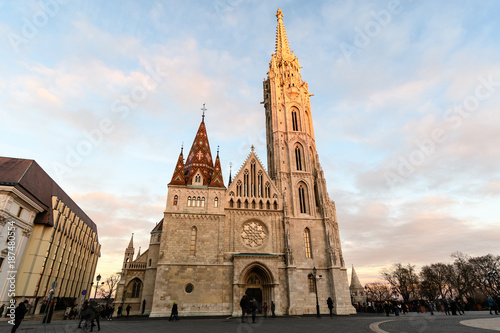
407 93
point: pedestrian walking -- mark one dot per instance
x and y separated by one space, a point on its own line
253 309
174 313
243 305
128 309
273 307
119 312
329 302
83 313
19 314
264 309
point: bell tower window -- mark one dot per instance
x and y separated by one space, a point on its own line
295 120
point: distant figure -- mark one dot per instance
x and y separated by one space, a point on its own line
264 309
273 307
128 309
174 313
329 301
83 313
243 305
119 312
19 315
253 309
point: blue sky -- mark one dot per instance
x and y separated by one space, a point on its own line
103 94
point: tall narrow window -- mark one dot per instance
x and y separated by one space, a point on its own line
245 183
192 248
310 278
216 202
302 199
238 188
295 124
198 202
268 190
203 202
189 201
298 159
176 198
307 242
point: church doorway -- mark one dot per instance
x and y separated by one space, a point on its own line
255 293
257 282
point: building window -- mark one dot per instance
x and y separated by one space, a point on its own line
203 202
307 242
136 289
216 202
189 201
275 205
149 262
189 288
302 199
231 203
295 123
238 188
310 279
198 202
268 190
192 248
175 200
298 159
20 212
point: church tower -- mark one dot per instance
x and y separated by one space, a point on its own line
129 253
310 224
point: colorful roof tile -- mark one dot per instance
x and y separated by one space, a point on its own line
178 176
217 179
199 158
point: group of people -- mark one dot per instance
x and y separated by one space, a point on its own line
250 306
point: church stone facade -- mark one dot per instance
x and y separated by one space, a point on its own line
262 235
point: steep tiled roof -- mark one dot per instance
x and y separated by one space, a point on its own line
199 157
178 176
217 179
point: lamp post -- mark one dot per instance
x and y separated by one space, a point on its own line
98 278
316 290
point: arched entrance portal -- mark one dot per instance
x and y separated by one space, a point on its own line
258 283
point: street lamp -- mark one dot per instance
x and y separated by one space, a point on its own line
98 278
316 289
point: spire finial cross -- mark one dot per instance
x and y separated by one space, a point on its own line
203 109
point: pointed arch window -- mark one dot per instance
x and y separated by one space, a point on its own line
216 202
310 279
295 120
298 158
192 247
231 203
245 182
268 190
303 202
136 288
176 198
307 243
238 188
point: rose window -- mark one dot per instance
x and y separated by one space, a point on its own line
253 234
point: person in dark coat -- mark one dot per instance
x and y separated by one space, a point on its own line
329 301
253 309
20 312
264 309
174 314
273 307
83 313
243 305
128 309
119 312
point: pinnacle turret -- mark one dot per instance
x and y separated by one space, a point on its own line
282 46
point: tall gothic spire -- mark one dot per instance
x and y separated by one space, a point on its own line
131 243
282 47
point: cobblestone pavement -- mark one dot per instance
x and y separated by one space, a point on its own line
358 323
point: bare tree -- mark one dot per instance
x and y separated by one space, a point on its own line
486 274
460 276
107 290
378 291
403 280
433 281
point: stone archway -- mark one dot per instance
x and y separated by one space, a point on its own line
257 282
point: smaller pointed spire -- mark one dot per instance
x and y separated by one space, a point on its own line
230 177
131 244
217 179
178 176
138 253
355 284
282 47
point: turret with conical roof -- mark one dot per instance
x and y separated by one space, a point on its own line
178 176
356 288
199 164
